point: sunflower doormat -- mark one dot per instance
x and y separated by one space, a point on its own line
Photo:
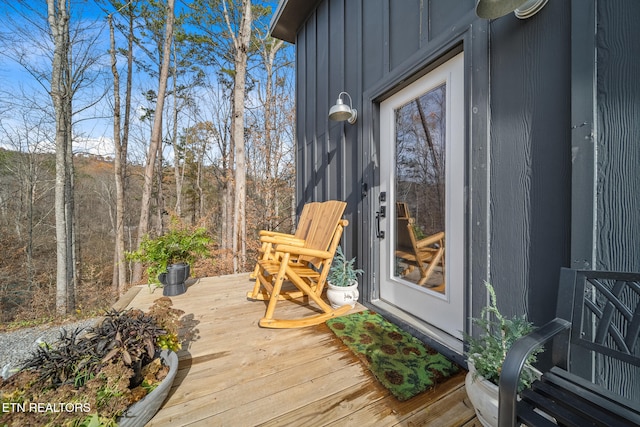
401 362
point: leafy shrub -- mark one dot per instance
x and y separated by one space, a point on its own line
342 272
176 245
488 351
104 370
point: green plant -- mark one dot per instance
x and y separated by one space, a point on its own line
99 373
342 272
176 245
487 352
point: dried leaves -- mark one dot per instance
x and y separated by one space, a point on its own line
109 367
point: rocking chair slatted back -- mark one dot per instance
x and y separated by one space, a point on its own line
322 227
303 263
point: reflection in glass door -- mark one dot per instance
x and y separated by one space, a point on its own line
420 189
422 199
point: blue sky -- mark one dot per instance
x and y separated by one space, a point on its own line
16 81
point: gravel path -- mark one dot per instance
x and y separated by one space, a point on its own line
17 346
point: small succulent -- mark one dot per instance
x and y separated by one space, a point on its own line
342 272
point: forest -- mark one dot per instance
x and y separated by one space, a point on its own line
121 120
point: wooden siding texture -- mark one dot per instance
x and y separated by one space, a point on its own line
530 158
617 159
618 136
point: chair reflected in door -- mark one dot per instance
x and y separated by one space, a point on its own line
419 258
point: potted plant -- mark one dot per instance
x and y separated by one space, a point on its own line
486 355
115 373
342 281
168 257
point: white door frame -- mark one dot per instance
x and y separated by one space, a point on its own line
440 315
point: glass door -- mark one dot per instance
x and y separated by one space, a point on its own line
422 198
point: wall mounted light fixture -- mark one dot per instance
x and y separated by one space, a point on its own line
341 112
523 9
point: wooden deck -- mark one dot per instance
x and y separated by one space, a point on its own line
235 373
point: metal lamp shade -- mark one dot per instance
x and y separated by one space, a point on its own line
491 9
340 112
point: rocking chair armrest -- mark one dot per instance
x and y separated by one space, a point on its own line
274 233
297 250
514 363
286 240
430 240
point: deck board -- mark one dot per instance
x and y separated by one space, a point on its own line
235 373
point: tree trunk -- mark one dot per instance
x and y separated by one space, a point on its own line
241 46
120 271
58 18
201 206
159 192
71 219
156 136
178 172
269 52
125 130
227 207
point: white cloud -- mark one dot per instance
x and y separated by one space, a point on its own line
101 146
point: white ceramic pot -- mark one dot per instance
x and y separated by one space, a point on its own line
483 394
342 295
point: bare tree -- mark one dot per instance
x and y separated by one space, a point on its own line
58 18
120 141
61 59
241 38
26 181
156 134
270 48
222 157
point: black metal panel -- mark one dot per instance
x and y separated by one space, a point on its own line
530 158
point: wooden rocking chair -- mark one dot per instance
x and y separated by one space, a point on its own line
425 254
304 222
304 263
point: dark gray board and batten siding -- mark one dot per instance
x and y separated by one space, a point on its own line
531 181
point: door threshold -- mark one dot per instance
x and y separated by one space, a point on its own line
453 347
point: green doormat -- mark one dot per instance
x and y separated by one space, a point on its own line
401 362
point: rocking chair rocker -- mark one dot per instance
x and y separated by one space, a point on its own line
304 263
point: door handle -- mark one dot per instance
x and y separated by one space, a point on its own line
380 214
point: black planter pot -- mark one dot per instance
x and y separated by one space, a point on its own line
173 279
